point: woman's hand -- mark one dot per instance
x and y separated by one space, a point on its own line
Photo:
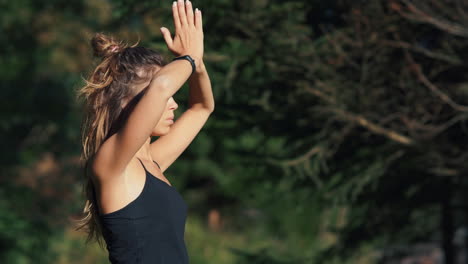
188 39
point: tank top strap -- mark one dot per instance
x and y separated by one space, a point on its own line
157 164
142 164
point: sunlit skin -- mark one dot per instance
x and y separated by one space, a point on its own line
162 127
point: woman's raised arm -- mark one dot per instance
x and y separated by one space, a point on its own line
117 151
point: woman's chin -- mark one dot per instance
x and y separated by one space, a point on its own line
161 132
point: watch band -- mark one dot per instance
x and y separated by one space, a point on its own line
187 57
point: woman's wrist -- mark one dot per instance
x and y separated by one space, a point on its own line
200 66
198 62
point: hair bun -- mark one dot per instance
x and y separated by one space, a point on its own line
105 46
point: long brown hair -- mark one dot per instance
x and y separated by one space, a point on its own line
118 70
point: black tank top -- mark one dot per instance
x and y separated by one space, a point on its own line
150 229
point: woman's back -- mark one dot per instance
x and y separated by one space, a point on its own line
150 229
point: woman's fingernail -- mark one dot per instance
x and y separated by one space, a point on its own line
174 3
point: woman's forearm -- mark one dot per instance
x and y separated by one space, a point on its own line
172 76
201 94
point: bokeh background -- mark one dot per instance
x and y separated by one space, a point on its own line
339 134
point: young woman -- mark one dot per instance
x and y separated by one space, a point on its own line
128 97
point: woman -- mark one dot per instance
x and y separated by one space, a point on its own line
131 204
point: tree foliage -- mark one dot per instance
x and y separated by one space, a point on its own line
340 126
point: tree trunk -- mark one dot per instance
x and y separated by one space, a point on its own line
447 226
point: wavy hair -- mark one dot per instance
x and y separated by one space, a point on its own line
120 67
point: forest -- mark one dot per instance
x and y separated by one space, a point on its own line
339 134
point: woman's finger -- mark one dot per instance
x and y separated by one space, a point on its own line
189 11
182 15
167 37
198 19
175 14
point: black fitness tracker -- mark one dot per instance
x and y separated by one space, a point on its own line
187 57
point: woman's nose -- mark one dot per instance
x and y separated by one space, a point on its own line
174 105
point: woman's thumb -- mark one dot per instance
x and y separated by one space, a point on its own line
167 36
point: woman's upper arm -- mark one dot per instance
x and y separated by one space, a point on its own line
117 151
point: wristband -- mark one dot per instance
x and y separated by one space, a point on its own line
187 57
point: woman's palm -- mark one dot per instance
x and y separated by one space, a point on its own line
188 39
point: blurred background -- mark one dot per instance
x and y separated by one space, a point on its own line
339 134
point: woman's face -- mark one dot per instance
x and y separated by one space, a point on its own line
164 125
167 119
